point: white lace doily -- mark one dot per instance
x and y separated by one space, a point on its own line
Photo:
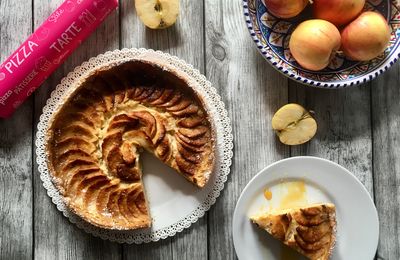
199 205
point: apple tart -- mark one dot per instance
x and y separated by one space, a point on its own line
311 230
95 139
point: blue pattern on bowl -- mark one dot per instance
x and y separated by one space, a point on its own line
272 38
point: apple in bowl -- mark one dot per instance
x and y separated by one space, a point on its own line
313 44
338 12
366 37
286 8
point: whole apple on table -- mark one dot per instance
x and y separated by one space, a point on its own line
336 25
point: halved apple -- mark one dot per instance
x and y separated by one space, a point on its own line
157 14
294 124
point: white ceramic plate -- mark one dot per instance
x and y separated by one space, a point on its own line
325 181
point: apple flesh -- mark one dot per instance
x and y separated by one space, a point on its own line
286 8
338 12
366 37
157 14
313 43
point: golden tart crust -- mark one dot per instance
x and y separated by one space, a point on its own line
95 139
310 230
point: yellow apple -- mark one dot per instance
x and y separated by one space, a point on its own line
313 43
157 14
286 8
294 125
338 12
366 37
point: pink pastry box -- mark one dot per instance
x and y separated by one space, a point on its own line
34 61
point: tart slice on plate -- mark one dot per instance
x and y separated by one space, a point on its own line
309 230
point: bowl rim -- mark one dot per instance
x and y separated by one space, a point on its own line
380 69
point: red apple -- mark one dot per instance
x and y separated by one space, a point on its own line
338 12
313 43
366 37
286 8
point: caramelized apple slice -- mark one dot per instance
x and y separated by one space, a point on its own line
165 97
176 98
147 92
188 111
163 150
75 143
113 208
193 133
190 122
185 166
189 155
179 106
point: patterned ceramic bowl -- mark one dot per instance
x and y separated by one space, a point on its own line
272 38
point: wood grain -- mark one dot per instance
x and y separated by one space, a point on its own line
252 90
358 128
386 160
344 127
55 237
185 40
15 145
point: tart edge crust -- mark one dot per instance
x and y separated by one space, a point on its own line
158 62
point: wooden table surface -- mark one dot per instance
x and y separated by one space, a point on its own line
358 128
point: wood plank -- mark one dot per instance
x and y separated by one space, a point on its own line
344 127
55 236
385 94
252 90
15 145
185 40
